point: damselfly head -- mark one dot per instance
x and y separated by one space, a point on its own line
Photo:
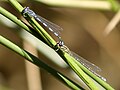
28 11
60 42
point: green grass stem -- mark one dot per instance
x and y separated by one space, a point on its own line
79 69
39 63
52 43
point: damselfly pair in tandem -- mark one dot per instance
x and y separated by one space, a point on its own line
55 29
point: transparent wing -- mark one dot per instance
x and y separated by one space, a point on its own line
55 29
92 67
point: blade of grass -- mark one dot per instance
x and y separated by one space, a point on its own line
74 66
52 43
114 5
39 63
18 22
84 4
86 79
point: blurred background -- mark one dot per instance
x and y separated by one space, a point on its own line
93 33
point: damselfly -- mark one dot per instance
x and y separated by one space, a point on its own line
92 67
55 29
